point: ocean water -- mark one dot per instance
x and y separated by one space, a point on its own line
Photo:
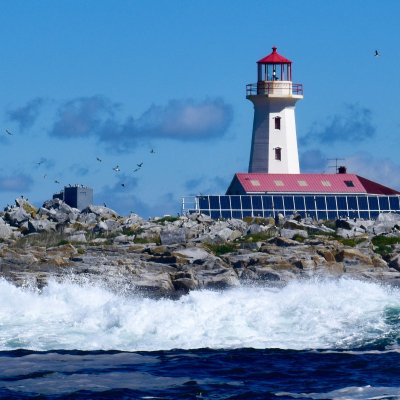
314 339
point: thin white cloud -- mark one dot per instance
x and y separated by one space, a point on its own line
15 182
82 117
26 115
354 124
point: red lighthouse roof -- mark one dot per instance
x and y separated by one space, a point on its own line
274 58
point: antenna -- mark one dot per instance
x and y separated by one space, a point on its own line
336 163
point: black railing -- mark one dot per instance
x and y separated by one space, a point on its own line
274 87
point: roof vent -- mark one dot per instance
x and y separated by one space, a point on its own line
342 170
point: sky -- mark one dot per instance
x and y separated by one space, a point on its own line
90 85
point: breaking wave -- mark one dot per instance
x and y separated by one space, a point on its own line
335 314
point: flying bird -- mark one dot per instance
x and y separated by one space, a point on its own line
377 53
56 181
152 151
123 184
98 159
140 165
116 168
8 132
136 170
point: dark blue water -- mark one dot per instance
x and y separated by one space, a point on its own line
201 374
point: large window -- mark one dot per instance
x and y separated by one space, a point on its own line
278 153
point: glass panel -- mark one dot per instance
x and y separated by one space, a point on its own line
341 202
289 203
374 214
236 214
364 215
214 202
267 213
226 214
267 202
215 214
205 212
322 215
278 202
394 203
225 203
331 203
332 215
203 203
362 203
257 203
247 213
352 202
235 201
312 214
384 203
373 203
257 213
246 203
299 202
310 205
320 201
353 214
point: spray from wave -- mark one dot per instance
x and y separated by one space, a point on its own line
336 314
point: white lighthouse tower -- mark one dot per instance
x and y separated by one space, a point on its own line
274 141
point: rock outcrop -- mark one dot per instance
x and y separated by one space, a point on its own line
170 256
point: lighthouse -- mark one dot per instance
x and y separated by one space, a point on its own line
274 96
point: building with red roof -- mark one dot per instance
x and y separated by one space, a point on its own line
273 183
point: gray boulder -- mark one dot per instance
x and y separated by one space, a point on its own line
17 216
171 236
42 225
5 230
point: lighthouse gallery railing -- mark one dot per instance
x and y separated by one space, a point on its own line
274 87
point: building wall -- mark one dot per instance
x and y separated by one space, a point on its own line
78 196
266 138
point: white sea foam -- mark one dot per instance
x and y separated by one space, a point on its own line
303 315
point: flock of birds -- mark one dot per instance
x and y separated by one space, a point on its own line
115 169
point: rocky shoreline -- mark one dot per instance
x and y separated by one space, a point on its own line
171 256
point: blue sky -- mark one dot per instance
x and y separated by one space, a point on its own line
114 80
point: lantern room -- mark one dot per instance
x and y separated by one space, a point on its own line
274 67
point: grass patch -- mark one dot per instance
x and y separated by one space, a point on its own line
384 245
219 249
42 239
330 224
167 218
351 242
149 239
132 230
256 237
256 220
299 238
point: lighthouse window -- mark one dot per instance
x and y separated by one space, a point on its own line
278 153
277 122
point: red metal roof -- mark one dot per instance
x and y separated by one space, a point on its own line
310 183
274 58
